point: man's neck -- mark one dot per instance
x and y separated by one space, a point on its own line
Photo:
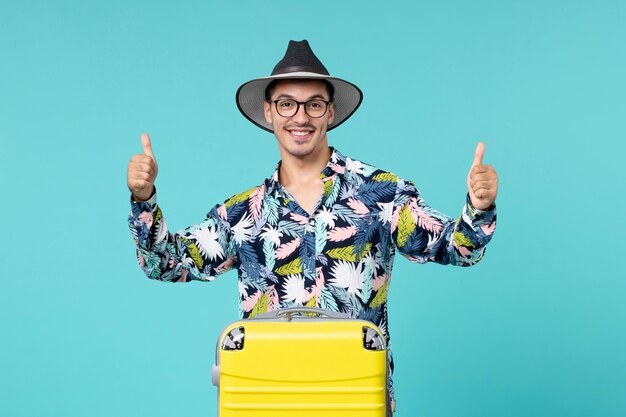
295 171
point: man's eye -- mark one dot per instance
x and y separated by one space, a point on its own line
315 105
285 104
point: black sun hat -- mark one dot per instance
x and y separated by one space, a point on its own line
299 62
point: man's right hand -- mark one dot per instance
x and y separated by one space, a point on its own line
142 171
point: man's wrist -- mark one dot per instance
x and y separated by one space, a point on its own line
477 210
136 199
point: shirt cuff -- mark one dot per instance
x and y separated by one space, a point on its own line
477 214
150 205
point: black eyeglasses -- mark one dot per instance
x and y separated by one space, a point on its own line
315 108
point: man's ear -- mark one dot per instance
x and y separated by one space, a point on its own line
331 112
267 112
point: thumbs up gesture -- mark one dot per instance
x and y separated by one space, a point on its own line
482 181
142 171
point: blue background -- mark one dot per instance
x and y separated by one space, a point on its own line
537 329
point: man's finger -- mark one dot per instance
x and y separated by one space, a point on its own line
481 169
493 181
487 185
141 176
479 153
146 144
142 167
141 158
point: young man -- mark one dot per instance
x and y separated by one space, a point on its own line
323 229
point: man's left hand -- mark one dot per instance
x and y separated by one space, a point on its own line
482 181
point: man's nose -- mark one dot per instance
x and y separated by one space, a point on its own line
301 115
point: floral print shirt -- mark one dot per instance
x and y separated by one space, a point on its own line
339 257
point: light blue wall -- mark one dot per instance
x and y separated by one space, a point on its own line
537 329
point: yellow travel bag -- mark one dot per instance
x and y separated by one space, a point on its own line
301 362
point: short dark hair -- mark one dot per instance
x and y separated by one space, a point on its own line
272 86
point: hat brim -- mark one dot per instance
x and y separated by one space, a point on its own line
251 96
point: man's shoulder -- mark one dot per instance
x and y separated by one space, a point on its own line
369 172
375 181
248 197
238 204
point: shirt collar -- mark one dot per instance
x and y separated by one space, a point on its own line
336 165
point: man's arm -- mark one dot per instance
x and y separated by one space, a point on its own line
200 252
423 234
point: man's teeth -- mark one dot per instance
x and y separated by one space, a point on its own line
300 133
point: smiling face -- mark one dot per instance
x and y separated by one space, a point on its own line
299 135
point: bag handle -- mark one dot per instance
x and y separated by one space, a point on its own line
288 313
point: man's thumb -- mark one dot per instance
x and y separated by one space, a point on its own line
147 145
479 153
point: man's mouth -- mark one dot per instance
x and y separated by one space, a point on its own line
300 133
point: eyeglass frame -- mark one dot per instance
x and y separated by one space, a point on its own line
327 102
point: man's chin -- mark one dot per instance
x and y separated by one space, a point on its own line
300 152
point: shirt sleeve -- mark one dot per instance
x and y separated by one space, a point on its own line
422 234
199 252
